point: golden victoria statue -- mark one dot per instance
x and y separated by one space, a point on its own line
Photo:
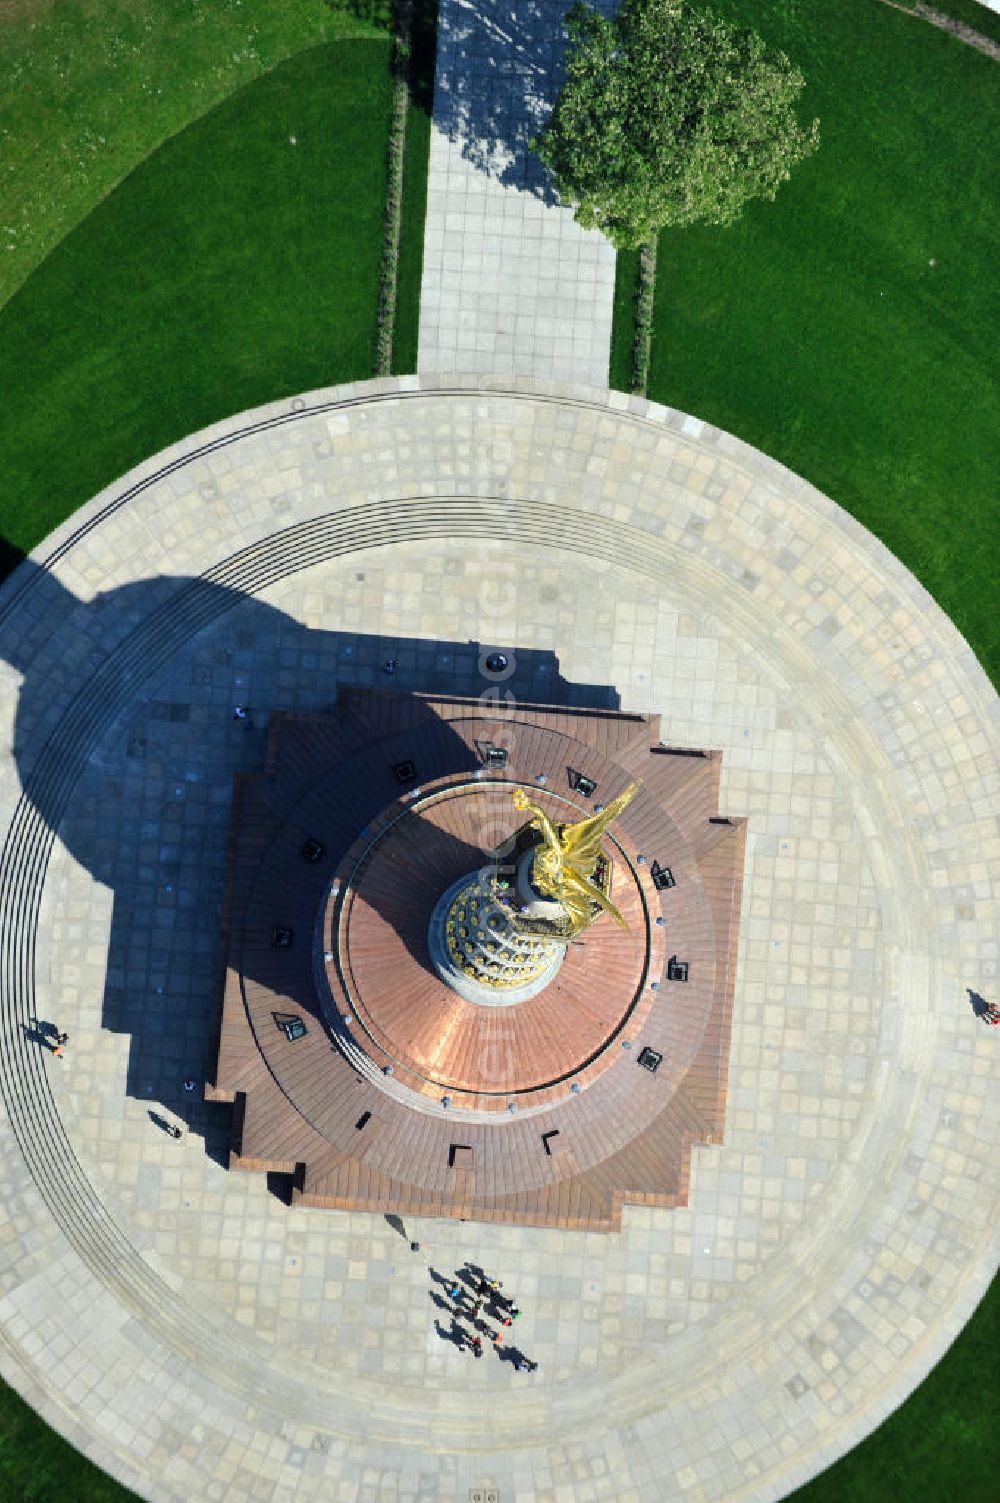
567 865
500 934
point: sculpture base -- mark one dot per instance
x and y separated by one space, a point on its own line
468 987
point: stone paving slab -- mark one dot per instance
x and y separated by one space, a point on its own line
203 1342
511 285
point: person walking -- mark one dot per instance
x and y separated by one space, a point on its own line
524 1366
174 1131
498 1338
477 1346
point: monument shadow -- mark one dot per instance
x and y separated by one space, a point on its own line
126 747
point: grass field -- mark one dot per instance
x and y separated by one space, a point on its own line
229 269
37 1466
88 88
986 22
849 329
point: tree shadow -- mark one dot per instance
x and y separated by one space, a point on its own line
419 47
499 67
127 749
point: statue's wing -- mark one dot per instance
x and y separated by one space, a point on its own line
593 894
581 843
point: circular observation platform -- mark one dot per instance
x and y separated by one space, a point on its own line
527 1050
842 1225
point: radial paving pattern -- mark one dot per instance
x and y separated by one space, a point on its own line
203 1341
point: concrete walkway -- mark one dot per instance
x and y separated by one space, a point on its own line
511 286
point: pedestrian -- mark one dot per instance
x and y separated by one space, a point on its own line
514 1312
414 1247
498 1339
524 1366
476 1308
57 1050
174 1131
477 1346
389 667
189 1085
241 712
483 1287
62 1038
455 1292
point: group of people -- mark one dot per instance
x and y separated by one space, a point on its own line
487 1312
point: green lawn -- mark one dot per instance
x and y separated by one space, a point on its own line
230 268
37 1466
88 88
818 330
987 22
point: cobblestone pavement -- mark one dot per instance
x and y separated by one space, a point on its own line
203 1342
511 285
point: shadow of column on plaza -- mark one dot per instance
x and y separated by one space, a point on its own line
10 556
126 748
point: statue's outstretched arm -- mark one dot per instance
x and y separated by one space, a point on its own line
548 829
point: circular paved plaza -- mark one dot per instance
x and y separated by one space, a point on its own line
200 1339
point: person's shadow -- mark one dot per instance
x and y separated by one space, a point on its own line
126 748
980 1006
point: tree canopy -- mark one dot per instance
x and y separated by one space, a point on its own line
669 116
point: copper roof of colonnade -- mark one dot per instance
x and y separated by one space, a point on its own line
200 1339
402 1096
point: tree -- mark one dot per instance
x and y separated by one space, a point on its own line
669 116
